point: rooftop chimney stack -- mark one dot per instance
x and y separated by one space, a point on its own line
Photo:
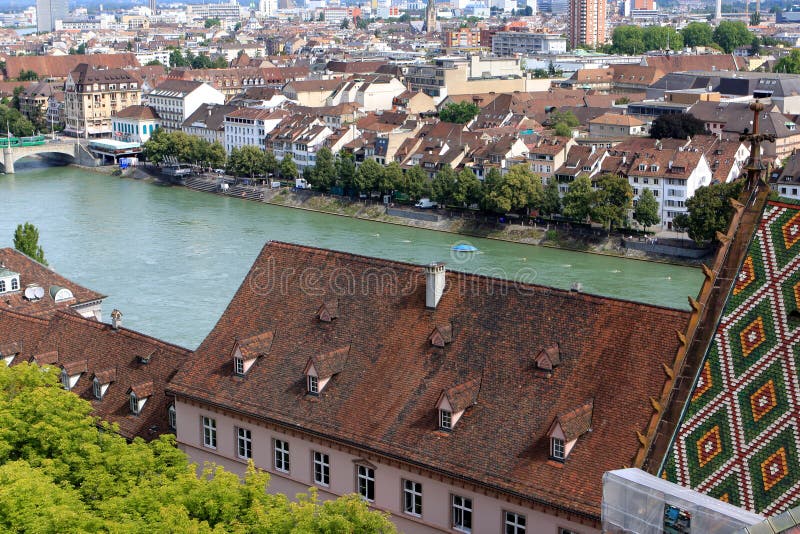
116 319
434 284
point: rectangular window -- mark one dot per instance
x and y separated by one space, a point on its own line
238 365
134 404
514 523
173 417
366 482
244 443
462 513
557 448
281 455
322 469
412 498
445 419
313 385
209 432
97 389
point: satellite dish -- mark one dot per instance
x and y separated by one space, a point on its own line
30 293
39 292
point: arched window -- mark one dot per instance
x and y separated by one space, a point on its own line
173 417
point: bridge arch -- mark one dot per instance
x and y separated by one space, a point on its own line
9 156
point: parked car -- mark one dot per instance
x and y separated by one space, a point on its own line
425 203
219 171
301 183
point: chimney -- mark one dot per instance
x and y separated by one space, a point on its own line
434 284
116 319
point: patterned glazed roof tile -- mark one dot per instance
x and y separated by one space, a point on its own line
739 439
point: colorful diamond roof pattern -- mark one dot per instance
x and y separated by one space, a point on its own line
738 440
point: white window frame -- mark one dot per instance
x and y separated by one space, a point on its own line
238 366
14 284
134 402
412 498
557 449
65 380
172 417
244 443
209 427
514 523
321 464
280 457
445 419
97 389
2 286
461 513
365 482
312 383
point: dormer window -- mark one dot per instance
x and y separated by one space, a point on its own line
97 389
14 284
247 351
138 395
454 402
172 417
441 336
548 358
445 419
102 380
71 373
653 168
320 369
9 351
642 166
567 428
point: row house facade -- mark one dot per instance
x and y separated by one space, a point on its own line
176 100
208 122
288 379
300 136
250 126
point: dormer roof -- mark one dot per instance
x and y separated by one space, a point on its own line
330 363
576 422
74 368
146 356
46 358
441 335
549 357
7 349
107 376
328 311
255 346
463 395
143 390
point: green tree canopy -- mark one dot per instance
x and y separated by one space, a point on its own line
519 189
26 240
369 176
59 472
393 177
460 113
345 170
212 22
709 210
676 126
416 183
612 200
247 161
646 210
288 168
628 40
578 200
468 189
443 186
731 34
323 174
551 200
563 122
697 34
662 38
28 75
790 63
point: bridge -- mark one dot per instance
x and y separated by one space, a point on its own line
11 154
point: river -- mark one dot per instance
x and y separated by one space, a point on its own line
171 258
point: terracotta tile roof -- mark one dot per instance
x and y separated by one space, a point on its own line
138 112
255 346
576 422
92 349
463 395
32 272
500 442
617 120
330 363
61 66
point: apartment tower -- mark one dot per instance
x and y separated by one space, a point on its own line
587 22
48 12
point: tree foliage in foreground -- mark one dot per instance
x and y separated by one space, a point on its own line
26 240
59 472
460 113
163 145
709 210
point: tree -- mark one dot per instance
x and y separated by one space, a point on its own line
755 18
369 176
157 147
627 40
563 122
729 35
710 210
345 170
662 38
468 190
417 184
27 76
646 210
323 173
26 240
212 22
519 189
790 63
154 63
247 161
612 200
288 168
578 199
443 186
60 472
393 177
676 126
551 200
344 24
697 34
459 113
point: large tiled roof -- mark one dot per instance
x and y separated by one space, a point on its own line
60 66
384 396
32 272
738 439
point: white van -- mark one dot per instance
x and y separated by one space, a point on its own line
425 203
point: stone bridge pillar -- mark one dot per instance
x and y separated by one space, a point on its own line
8 160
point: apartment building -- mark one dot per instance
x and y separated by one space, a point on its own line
176 100
470 433
510 43
208 122
250 126
92 96
135 124
587 22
